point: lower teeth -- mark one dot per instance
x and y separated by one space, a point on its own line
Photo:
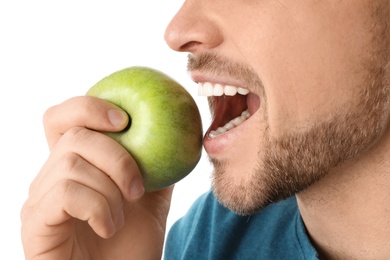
233 123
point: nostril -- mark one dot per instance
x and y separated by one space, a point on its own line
189 46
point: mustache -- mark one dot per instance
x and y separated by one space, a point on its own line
219 65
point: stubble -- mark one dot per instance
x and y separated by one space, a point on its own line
291 163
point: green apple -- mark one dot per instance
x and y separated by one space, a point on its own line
164 135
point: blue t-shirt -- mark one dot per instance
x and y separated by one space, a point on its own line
210 231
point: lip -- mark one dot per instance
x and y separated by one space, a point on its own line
216 146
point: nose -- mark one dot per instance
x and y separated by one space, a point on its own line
193 28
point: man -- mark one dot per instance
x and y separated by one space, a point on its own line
304 175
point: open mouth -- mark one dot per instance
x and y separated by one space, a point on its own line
231 106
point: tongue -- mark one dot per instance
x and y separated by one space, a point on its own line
226 108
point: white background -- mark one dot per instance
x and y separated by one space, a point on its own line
53 50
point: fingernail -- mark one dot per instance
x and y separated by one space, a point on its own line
117 117
136 189
111 230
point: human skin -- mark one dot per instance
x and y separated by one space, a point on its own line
89 189
319 77
307 64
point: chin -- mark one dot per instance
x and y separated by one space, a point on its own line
243 194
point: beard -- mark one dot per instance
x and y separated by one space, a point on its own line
294 161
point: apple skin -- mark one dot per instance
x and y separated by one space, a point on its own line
164 135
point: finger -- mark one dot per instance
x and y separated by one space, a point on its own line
62 203
85 111
75 168
107 155
86 204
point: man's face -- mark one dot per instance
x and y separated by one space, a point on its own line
318 88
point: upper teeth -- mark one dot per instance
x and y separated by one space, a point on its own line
209 89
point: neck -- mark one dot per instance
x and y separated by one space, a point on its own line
347 213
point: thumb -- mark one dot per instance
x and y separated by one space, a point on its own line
84 111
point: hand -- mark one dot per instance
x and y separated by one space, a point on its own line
87 201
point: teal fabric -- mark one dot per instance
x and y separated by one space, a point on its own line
210 231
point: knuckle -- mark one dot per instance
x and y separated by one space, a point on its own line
99 205
32 186
68 188
88 105
78 134
75 132
88 102
48 116
71 162
24 212
123 162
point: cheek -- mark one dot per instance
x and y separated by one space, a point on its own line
297 98
301 92
310 71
